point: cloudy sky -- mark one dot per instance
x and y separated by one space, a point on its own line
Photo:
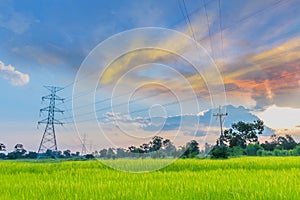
254 46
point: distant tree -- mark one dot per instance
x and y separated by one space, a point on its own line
12 155
269 146
169 148
103 153
50 154
110 153
67 153
236 151
145 147
296 151
219 152
121 153
19 148
191 149
252 149
19 151
31 155
89 156
242 133
286 142
156 143
2 156
2 147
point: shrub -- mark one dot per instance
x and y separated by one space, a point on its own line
296 151
219 152
236 151
252 149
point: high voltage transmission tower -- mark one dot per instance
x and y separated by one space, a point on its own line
48 142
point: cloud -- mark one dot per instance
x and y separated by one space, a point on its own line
14 21
125 118
13 76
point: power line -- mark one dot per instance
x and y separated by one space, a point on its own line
187 18
220 26
208 29
209 35
185 100
262 10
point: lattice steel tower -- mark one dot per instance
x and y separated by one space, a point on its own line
48 141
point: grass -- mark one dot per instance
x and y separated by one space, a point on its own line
237 178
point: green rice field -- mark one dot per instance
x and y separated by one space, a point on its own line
235 178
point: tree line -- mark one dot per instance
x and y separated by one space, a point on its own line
241 139
158 147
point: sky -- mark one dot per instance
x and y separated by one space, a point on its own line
250 49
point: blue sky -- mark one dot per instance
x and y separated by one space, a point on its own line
45 42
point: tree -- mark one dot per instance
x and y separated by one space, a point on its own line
31 155
103 153
145 147
20 149
219 152
168 147
191 150
242 133
121 153
286 142
156 143
2 147
67 153
110 153
269 146
252 149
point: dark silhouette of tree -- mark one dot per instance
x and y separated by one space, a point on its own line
103 153
121 153
67 153
110 153
31 155
19 148
219 152
191 149
242 133
2 147
169 148
145 147
286 142
252 149
156 143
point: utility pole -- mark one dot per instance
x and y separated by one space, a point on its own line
220 115
48 141
83 150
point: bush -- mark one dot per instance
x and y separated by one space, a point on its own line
219 152
236 151
296 151
252 149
